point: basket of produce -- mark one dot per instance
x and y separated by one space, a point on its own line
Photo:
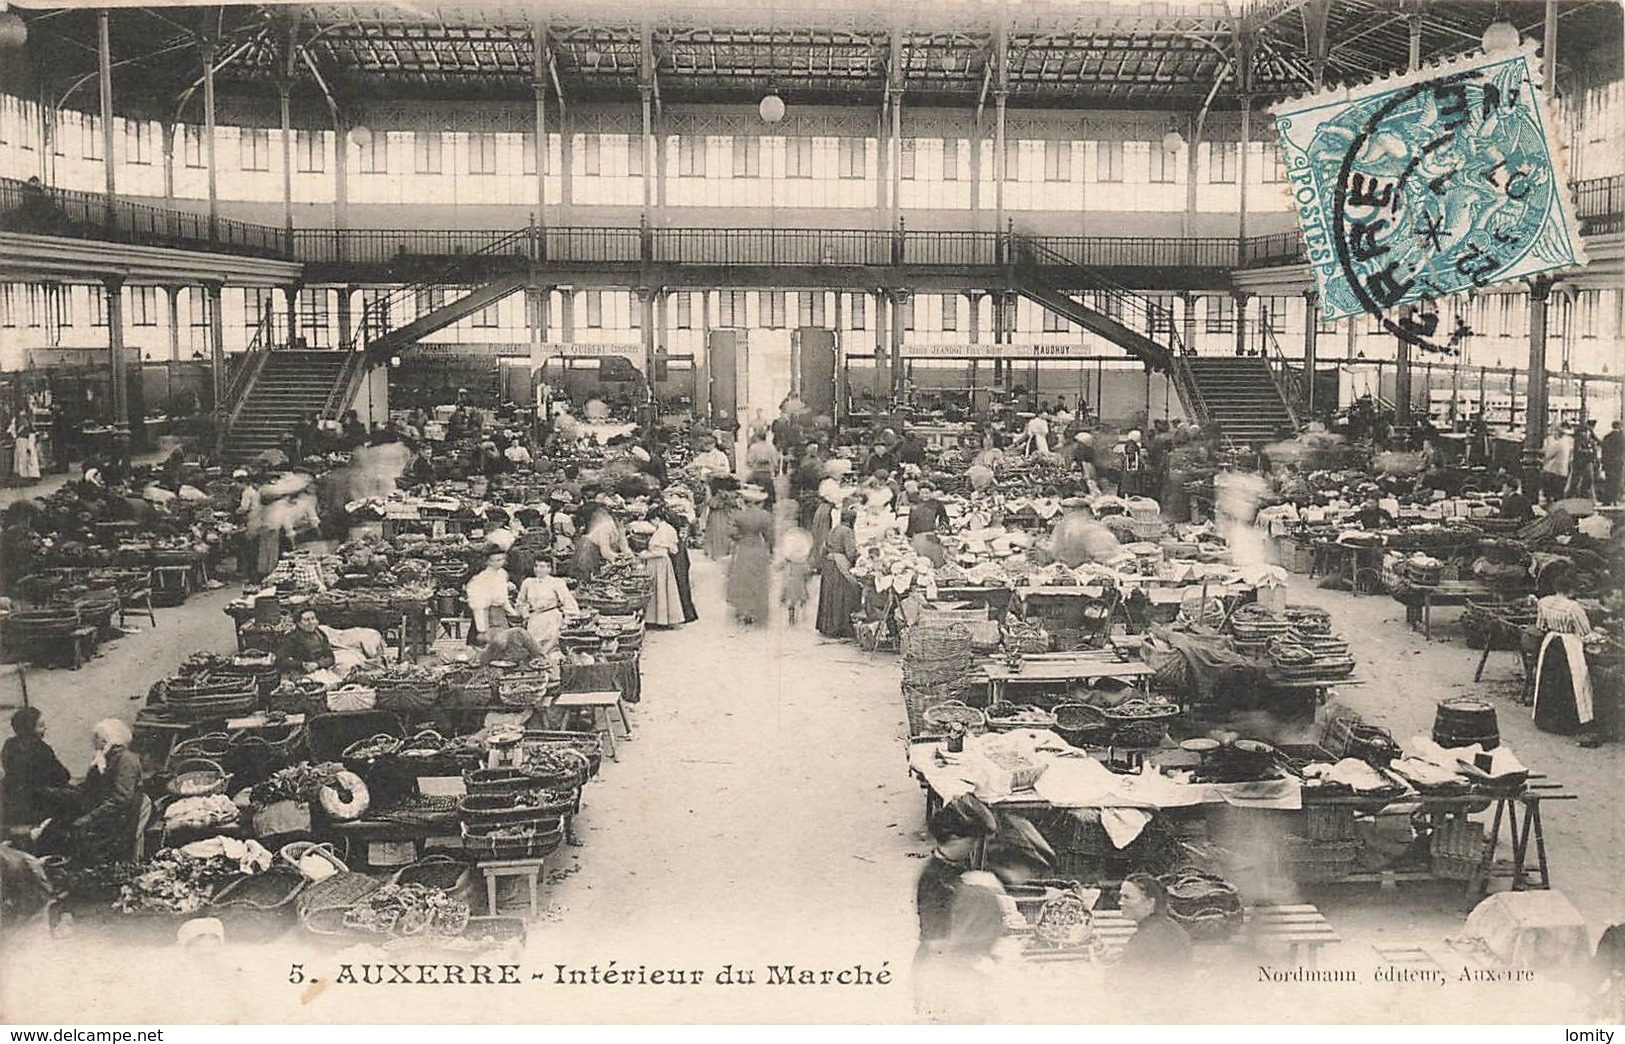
1142 709
1309 619
520 841
1082 725
554 765
953 712
407 911
259 906
1207 906
427 753
1025 636
352 697
314 860
525 689
1006 717
504 781
174 883
482 811
366 751
1350 737
589 744
412 696
1065 922
436 870
197 777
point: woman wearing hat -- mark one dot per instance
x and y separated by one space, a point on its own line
719 519
750 571
601 541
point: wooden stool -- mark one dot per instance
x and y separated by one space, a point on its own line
606 708
529 869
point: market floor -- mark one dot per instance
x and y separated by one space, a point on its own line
762 816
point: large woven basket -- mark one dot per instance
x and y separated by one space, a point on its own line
1082 725
536 842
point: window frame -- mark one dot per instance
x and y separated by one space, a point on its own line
593 309
1057 161
1109 162
1164 165
1222 162
950 159
746 152
309 152
143 306
482 154
852 158
858 311
428 152
799 149
691 150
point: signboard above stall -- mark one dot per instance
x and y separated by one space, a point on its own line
981 351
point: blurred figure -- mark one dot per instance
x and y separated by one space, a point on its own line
33 774
795 552
750 570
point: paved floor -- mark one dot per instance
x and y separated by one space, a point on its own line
762 815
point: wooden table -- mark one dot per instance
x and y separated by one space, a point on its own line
1300 927
1055 668
1445 592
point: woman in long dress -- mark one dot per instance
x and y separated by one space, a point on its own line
719 523
25 455
751 570
665 608
839 593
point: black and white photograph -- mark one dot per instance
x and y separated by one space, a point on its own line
907 514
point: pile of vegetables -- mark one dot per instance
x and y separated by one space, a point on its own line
894 565
302 782
408 910
176 883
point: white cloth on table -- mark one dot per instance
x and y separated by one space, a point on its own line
251 856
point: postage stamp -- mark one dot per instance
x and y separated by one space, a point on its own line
1430 184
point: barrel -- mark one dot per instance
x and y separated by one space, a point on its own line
1461 722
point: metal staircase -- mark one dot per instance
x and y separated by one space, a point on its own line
1129 320
1237 394
274 390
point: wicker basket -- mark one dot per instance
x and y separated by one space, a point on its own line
589 744
436 870
197 777
1457 848
949 712
536 842
412 697
1082 725
212 746
258 907
1001 717
1144 732
483 812
1030 641
1319 862
1328 823
294 853
339 892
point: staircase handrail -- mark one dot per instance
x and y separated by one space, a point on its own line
248 370
1142 309
370 312
343 388
1190 393
1288 383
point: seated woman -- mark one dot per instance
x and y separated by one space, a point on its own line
307 650
104 805
1159 951
34 776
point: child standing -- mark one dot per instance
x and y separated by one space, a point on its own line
795 551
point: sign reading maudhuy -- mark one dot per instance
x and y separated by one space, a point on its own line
977 351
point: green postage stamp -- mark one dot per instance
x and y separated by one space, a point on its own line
1429 184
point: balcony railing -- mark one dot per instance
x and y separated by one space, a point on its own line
31 207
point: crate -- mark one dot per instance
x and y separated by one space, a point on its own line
1327 823
1312 862
1297 555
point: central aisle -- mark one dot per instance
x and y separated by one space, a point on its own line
762 814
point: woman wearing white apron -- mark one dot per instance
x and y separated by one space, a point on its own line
545 600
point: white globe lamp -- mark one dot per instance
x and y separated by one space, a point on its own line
13 30
771 108
1500 36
